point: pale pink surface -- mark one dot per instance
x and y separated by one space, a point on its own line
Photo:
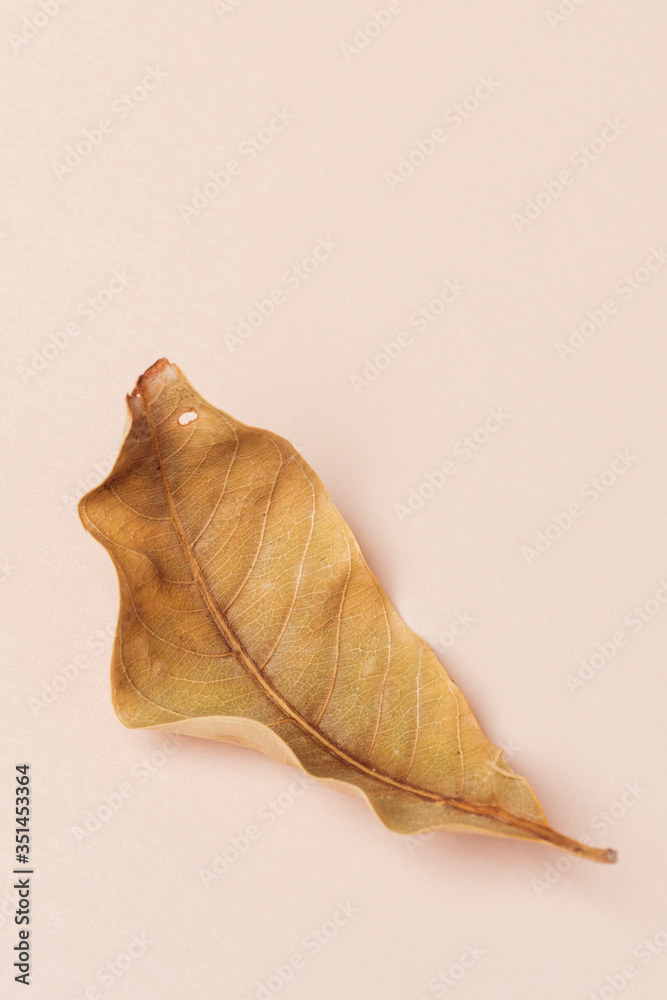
549 89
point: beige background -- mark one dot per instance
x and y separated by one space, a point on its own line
594 751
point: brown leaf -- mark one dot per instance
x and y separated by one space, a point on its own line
249 614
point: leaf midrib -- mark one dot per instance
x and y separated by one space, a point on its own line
223 626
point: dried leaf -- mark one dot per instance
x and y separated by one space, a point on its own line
249 614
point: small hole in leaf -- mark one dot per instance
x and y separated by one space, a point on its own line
187 418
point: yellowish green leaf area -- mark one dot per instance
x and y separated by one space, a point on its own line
248 614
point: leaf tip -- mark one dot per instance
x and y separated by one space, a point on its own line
150 384
603 855
160 372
